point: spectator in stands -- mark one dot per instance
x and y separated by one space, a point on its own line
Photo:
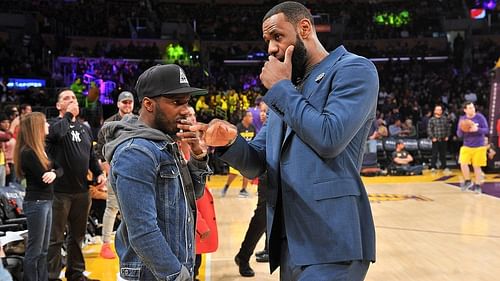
5 136
402 161
40 172
11 111
473 151
4 89
409 129
396 129
382 131
125 106
8 149
438 131
257 226
70 144
498 132
371 143
247 130
14 126
424 123
10 97
206 236
255 110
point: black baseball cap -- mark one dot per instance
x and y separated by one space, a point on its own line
167 79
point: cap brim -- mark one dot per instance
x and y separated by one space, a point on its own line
188 90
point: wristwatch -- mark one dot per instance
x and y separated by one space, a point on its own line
200 156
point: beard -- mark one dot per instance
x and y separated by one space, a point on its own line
299 59
163 124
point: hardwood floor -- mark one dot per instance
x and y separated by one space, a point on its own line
426 230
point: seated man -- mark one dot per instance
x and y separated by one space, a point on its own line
401 160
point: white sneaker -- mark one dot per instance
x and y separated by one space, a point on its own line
466 185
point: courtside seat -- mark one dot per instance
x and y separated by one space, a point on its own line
425 149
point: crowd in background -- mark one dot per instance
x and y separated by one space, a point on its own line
409 88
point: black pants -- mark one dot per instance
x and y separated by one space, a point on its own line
257 225
439 147
197 264
69 209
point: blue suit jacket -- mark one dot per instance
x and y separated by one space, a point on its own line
316 164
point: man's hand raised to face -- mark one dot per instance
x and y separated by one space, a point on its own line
73 108
274 70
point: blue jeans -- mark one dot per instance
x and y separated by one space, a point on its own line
2 175
39 219
4 274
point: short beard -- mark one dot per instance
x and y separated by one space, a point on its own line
161 123
299 59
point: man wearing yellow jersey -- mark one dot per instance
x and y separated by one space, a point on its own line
247 130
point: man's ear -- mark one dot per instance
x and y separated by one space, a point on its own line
305 28
58 106
148 105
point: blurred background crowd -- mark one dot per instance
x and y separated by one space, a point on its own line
426 52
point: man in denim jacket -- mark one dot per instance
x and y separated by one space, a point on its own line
155 187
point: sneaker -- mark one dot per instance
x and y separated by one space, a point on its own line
477 189
446 172
224 191
107 252
433 170
244 193
482 178
466 185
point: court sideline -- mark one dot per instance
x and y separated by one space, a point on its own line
427 229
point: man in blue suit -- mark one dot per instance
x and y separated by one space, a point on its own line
321 107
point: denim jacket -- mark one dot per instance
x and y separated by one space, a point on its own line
155 240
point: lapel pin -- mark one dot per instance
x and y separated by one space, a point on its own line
319 77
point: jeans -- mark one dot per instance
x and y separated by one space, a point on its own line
4 274
71 209
39 219
415 169
2 175
108 220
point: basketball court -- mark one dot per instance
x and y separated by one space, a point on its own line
427 229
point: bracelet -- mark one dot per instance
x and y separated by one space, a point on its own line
200 156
